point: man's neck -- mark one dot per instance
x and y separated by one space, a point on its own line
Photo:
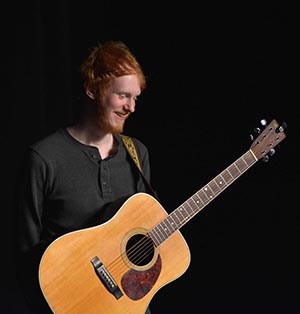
93 136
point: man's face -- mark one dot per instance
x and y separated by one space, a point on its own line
118 103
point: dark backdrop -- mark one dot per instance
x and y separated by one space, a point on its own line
214 70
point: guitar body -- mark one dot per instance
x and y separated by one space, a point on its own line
71 283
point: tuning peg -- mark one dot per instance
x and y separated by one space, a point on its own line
257 130
282 127
265 158
271 152
263 122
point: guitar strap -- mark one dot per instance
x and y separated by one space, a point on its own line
131 150
130 147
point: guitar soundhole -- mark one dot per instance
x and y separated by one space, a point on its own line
140 250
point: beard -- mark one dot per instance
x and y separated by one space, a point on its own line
105 122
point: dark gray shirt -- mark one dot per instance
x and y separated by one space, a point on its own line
68 186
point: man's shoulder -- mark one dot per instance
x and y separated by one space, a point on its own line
139 144
49 143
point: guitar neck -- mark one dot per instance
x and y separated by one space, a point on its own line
182 214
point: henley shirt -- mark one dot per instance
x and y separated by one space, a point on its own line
68 186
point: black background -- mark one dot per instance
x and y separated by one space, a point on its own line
214 71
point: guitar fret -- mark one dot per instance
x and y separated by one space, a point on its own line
208 192
192 205
154 237
180 211
241 164
176 219
234 170
197 200
248 159
186 212
203 196
209 186
158 232
189 209
220 182
180 216
162 231
215 187
165 228
170 224
173 222
227 175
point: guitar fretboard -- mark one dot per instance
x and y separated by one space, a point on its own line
182 214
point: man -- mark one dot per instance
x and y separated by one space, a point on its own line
72 176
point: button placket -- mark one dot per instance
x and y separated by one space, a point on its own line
105 180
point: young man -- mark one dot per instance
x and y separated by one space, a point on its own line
73 175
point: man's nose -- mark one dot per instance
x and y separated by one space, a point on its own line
130 105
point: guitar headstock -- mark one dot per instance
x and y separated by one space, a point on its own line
270 137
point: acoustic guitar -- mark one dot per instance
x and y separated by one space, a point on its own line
117 267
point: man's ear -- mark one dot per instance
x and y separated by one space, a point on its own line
90 94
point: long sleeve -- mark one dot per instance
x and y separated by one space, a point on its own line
31 202
30 247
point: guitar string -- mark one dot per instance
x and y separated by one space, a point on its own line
142 249
136 254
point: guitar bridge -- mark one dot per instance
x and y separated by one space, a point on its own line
106 277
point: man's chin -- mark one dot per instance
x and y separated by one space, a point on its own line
117 129
114 129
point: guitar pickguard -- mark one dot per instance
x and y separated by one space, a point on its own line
136 284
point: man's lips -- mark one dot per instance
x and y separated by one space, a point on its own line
121 115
